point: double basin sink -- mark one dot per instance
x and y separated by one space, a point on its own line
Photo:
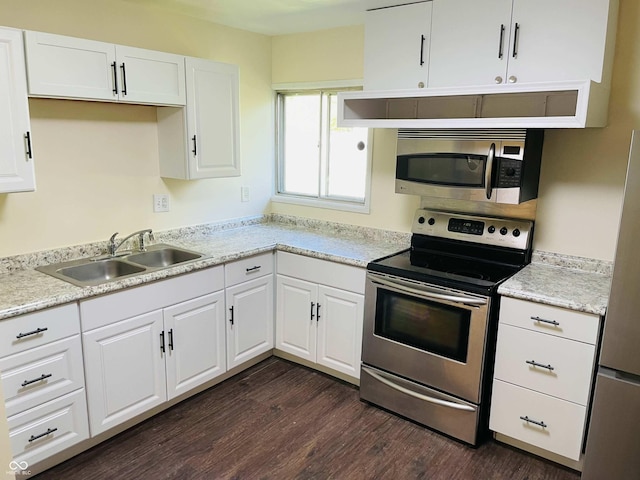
86 272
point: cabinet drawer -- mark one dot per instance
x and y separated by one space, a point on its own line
338 275
41 374
34 329
564 421
248 269
65 420
548 319
571 363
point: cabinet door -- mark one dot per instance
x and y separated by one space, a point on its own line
68 67
212 119
249 320
340 316
558 40
470 42
124 370
16 162
296 317
150 77
194 342
396 52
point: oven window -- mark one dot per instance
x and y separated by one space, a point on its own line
445 169
423 324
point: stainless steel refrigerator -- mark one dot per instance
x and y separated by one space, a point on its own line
613 442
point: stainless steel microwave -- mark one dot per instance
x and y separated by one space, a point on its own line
499 166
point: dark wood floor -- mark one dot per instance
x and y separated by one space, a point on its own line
279 420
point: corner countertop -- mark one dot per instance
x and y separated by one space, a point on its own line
24 289
562 281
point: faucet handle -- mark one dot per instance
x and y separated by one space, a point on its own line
141 239
111 245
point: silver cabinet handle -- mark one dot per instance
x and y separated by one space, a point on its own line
437 401
535 422
533 363
542 320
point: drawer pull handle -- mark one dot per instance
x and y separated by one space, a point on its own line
34 332
36 437
535 422
253 269
536 364
44 376
542 320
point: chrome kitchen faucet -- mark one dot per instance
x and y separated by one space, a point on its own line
112 248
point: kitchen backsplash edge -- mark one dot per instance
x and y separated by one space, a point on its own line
592 265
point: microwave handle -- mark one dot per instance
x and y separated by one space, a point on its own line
488 173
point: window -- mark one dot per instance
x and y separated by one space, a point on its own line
318 163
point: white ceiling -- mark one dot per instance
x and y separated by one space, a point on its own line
273 17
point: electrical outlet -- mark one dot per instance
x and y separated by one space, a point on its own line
244 194
160 202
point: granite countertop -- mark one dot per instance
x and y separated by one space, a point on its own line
24 289
570 282
562 281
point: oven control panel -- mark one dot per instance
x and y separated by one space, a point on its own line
505 232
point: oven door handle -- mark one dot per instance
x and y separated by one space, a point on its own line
401 288
420 396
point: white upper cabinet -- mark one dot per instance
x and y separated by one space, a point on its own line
397 42
469 42
518 41
16 158
69 67
203 140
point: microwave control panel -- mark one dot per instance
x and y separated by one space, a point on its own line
509 173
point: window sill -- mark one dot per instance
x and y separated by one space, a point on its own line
322 203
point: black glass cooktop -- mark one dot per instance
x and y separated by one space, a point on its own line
469 274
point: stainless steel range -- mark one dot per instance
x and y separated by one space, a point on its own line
431 317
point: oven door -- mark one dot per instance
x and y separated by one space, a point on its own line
426 333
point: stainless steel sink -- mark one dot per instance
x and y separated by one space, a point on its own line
98 270
163 257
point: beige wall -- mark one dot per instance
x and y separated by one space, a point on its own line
97 163
583 171
337 55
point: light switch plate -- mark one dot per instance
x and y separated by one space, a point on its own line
160 202
244 194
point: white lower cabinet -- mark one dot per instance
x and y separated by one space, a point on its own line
43 382
545 361
194 343
319 312
149 344
249 300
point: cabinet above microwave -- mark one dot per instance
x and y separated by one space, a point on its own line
570 104
492 64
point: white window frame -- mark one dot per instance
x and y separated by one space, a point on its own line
348 205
